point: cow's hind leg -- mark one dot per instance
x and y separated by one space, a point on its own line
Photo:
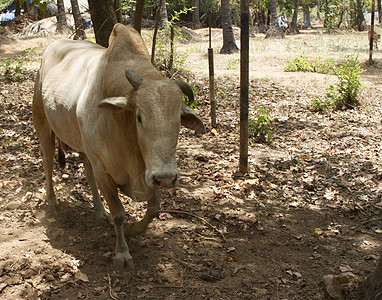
47 142
136 228
99 209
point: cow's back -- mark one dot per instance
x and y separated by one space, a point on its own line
68 71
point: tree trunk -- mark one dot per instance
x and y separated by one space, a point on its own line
163 18
118 10
103 18
138 15
229 43
293 25
62 24
195 14
307 23
360 19
18 9
371 288
78 21
319 10
273 12
379 11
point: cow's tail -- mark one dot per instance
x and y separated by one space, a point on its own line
61 154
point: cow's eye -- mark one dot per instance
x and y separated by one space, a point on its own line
139 119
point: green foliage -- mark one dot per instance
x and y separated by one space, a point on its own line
261 128
344 94
41 4
13 69
163 58
302 64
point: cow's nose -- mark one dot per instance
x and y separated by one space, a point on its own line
165 181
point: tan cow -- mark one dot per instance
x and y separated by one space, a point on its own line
116 109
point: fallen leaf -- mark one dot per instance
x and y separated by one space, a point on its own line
81 276
317 232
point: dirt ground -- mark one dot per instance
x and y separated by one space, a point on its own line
310 206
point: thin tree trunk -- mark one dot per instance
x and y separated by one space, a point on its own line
273 13
229 43
18 9
307 23
118 10
138 15
163 23
103 18
78 21
379 11
293 25
360 19
195 14
62 24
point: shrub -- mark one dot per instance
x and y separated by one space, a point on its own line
261 127
345 93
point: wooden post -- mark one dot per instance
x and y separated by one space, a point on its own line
212 76
244 85
155 36
371 32
172 35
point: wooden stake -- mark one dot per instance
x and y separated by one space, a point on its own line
371 32
244 85
212 76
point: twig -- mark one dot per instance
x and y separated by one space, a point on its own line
110 291
197 217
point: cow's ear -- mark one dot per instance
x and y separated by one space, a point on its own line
116 104
191 121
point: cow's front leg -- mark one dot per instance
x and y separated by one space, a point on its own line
153 206
117 211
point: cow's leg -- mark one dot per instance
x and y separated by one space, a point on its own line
117 211
47 142
153 206
99 210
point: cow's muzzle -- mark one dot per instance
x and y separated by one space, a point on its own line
165 180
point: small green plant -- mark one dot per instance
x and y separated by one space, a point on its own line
261 128
13 69
302 64
345 93
232 64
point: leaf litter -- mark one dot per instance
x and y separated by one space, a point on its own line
321 174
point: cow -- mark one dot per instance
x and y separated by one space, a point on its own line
115 108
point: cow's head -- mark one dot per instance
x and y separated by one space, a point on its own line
159 112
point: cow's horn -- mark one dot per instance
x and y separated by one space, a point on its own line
134 79
187 90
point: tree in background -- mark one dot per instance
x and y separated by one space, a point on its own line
78 21
306 11
229 43
138 15
104 18
293 25
62 24
196 14
163 17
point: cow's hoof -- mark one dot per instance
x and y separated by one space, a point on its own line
121 259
